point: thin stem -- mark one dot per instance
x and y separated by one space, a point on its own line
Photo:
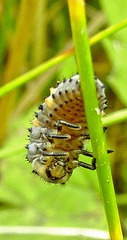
54 231
83 57
108 32
33 73
114 118
53 61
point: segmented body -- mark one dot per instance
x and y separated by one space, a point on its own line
60 130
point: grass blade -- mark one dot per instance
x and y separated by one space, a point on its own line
48 64
83 57
114 118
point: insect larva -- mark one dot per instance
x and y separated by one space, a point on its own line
59 131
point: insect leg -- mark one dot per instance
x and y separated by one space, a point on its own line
68 124
85 152
86 136
91 166
89 154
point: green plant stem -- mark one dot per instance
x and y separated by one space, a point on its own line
114 118
83 57
33 73
108 32
48 64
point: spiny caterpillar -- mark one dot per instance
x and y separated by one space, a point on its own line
59 131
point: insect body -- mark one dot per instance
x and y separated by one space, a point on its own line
59 132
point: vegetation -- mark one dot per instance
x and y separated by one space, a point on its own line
35 41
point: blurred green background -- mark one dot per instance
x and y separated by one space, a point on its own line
32 32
